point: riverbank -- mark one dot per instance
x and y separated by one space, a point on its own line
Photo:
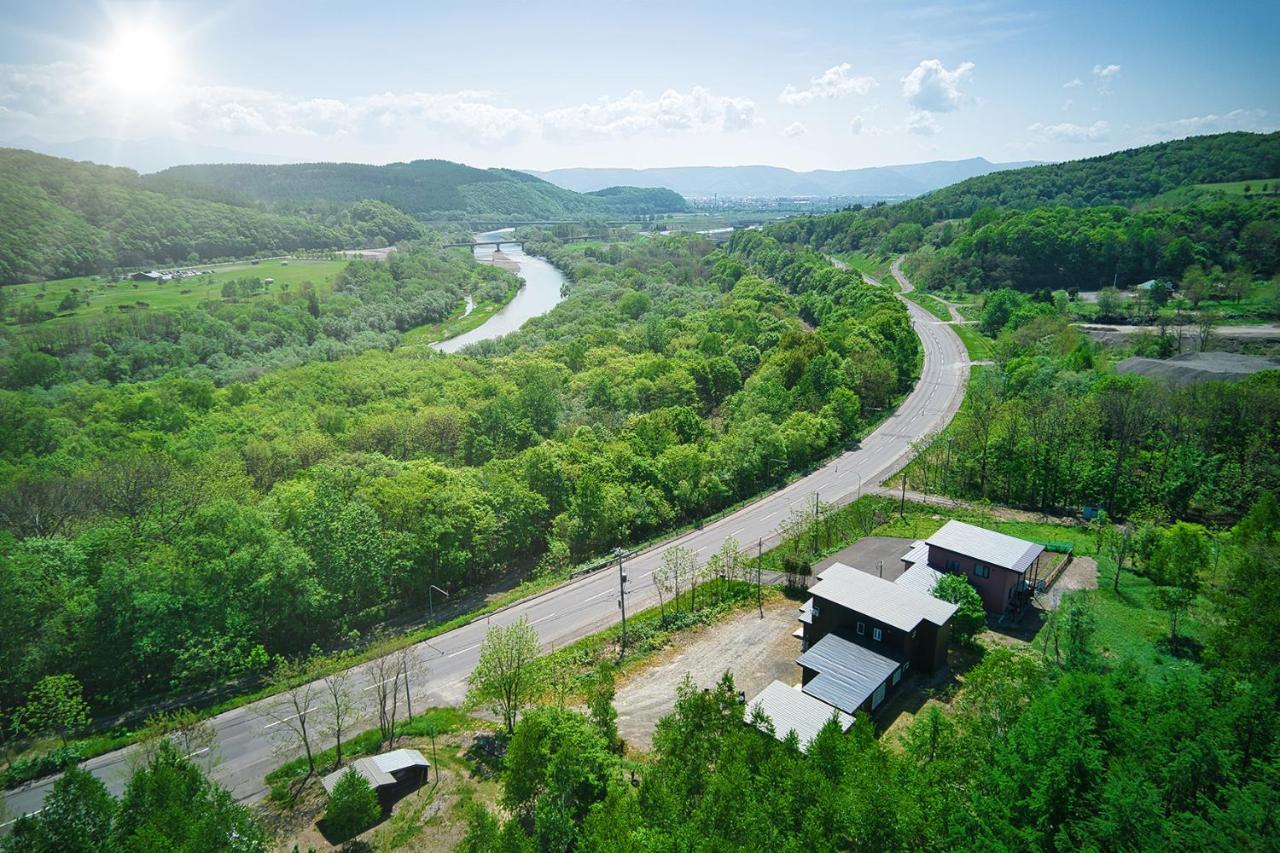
460 322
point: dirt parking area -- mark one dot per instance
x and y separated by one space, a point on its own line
755 650
868 554
1081 573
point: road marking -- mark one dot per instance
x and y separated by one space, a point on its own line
379 684
460 651
736 532
16 819
287 719
544 619
597 595
197 752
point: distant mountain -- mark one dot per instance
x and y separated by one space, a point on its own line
775 182
141 155
428 189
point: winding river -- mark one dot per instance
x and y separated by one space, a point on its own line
540 293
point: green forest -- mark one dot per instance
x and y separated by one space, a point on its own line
60 218
170 533
1080 225
429 189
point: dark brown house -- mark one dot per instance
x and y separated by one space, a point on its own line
861 634
1003 569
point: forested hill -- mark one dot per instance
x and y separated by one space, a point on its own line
61 218
430 189
1124 177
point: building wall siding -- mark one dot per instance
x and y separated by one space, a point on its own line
995 590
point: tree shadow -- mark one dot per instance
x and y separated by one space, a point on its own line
486 753
1181 647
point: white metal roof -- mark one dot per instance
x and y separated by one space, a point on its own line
919 552
894 605
377 769
847 673
986 546
793 710
920 578
400 759
806 612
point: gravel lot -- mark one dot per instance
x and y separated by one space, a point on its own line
756 651
867 553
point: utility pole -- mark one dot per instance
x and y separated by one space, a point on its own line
815 524
408 703
759 575
902 507
622 596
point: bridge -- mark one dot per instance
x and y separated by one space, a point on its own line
497 244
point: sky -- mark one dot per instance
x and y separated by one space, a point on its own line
557 84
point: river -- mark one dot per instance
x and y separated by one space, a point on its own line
540 293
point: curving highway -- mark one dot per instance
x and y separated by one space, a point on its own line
246 751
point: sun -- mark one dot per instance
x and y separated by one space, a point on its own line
141 61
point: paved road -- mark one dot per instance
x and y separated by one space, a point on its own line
245 748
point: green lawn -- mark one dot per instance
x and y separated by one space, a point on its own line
872 265
977 344
108 296
456 323
929 303
1196 193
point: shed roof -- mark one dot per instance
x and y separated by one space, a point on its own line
847 673
880 599
377 769
986 545
794 710
919 553
920 578
806 612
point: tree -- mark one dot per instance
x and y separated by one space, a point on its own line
509 673
386 673
188 732
340 705
55 706
600 705
292 714
76 817
970 616
353 807
169 804
1180 555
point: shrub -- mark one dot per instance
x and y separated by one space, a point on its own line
353 807
970 616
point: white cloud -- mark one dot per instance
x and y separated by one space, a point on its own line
1068 132
795 129
1074 83
62 100
922 123
855 125
1211 123
931 87
1066 105
697 110
835 82
1103 72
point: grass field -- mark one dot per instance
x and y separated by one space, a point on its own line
1195 193
105 295
977 344
872 265
931 304
456 324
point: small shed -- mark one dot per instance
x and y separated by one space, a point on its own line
792 710
385 772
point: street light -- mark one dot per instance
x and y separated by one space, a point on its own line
432 588
622 596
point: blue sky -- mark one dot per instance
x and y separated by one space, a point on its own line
546 85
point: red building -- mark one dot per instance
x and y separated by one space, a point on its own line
1003 569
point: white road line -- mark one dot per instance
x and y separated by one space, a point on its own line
379 684
460 651
736 532
544 618
16 819
287 719
197 752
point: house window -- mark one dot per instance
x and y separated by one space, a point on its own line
953 565
877 697
816 610
981 571
897 676
875 634
862 628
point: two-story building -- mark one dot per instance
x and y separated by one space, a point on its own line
1003 568
862 634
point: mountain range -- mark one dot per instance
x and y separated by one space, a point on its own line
775 182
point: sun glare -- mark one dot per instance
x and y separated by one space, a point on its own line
141 61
